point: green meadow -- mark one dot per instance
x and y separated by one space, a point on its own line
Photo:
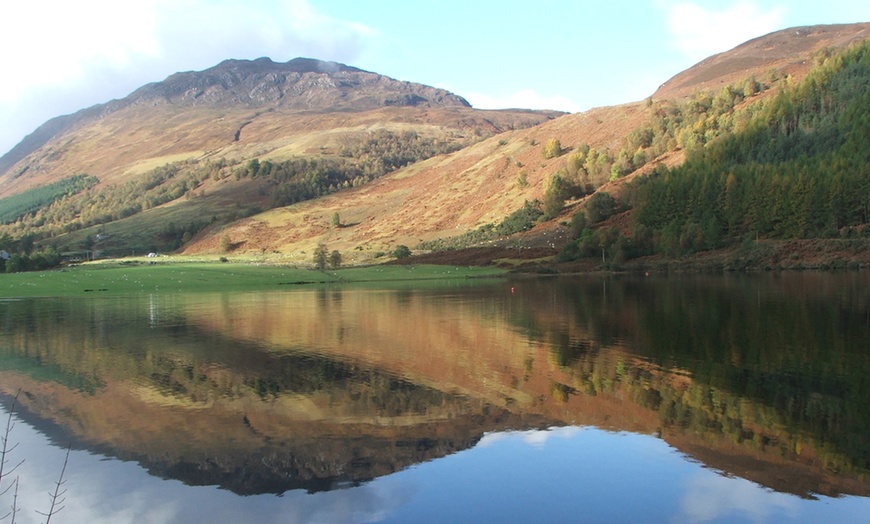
133 277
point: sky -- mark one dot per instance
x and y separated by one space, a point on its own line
60 56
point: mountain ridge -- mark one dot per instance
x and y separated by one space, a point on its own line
302 83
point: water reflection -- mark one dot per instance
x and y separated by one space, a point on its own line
762 377
558 475
711 498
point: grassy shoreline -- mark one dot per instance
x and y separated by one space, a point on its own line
131 277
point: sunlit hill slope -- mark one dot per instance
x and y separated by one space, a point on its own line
255 157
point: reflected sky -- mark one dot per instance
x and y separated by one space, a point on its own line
714 498
571 474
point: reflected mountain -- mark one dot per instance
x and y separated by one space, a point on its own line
757 376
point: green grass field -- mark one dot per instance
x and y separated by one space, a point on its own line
120 278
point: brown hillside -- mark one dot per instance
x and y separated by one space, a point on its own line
441 197
134 140
787 52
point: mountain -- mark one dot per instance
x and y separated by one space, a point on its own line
301 84
254 157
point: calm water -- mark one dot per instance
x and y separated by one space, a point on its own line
607 399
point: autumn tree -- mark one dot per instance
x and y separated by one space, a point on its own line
553 148
554 198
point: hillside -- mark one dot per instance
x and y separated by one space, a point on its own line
780 53
437 198
795 169
254 157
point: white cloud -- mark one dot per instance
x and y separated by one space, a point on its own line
58 44
525 99
699 31
69 55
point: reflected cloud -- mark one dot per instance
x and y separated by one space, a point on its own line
711 497
534 438
111 498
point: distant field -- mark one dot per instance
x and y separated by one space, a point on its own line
162 277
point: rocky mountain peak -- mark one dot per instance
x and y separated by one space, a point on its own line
301 83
